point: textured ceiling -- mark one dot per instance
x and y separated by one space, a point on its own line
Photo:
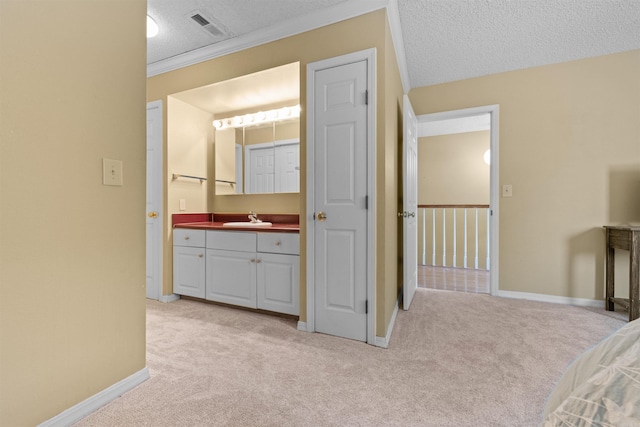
179 33
444 40
447 40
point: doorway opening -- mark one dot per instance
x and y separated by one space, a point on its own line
457 202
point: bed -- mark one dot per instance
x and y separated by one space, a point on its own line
602 387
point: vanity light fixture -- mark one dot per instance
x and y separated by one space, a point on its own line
258 118
152 27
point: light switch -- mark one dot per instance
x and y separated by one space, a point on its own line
183 204
111 172
507 190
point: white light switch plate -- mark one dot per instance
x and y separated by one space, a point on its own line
183 204
111 172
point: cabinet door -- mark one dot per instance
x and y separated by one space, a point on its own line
231 277
188 271
279 283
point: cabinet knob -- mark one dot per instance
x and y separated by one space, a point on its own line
186 238
258 260
252 260
277 242
200 255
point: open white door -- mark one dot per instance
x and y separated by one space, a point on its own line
154 200
410 202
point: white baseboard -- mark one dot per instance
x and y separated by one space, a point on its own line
582 302
97 401
384 342
169 298
302 326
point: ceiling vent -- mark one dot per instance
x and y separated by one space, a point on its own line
215 30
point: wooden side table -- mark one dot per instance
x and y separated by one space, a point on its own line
627 238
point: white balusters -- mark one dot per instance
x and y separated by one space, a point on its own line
455 235
475 236
465 239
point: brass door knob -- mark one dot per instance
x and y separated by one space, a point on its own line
321 216
407 214
152 214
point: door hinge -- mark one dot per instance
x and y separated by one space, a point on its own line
491 212
366 201
366 307
314 216
366 97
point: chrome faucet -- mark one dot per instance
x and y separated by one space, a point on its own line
253 217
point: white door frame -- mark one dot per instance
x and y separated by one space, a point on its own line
158 142
370 56
494 194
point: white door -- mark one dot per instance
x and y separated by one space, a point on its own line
340 200
154 200
410 203
287 168
261 171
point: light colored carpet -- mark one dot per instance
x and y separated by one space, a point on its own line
454 359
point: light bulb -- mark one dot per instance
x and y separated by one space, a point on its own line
284 112
217 124
487 157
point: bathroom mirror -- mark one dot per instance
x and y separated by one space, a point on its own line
258 158
254 128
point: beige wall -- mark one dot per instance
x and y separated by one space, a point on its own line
451 169
364 32
189 137
72 251
389 184
569 146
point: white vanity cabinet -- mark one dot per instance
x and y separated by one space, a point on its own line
189 262
231 267
278 283
257 270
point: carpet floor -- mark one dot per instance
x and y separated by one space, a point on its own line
454 359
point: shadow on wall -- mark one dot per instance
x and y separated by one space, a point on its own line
586 262
624 195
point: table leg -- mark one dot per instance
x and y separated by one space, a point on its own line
610 270
634 277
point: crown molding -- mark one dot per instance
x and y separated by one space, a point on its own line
322 18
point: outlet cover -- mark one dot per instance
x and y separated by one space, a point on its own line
507 190
111 172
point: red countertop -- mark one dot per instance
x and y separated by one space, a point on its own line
287 223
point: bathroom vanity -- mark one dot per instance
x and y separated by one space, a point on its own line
243 265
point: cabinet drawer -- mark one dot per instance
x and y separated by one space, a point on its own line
279 243
231 240
188 237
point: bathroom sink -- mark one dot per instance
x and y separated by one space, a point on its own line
247 224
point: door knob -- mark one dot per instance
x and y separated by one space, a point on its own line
407 214
321 216
152 214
